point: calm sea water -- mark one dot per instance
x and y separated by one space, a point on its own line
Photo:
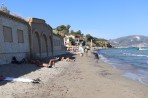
133 61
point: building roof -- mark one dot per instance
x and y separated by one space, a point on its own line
14 17
40 21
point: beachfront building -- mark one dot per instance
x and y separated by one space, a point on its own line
67 42
58 45
24 38
14 37
41 44
79 40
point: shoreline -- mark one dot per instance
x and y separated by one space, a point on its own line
129 71
87 77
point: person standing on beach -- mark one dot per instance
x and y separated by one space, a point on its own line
81 50
86 51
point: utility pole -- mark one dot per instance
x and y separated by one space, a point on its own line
91 44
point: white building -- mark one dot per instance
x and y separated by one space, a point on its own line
67 42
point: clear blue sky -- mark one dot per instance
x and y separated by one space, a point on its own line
107 19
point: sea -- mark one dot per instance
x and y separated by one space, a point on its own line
133 61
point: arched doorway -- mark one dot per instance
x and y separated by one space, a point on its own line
36 45
50 48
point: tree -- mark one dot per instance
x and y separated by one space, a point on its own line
88 37
61 27
72 41
77 33
68 27
71 32
62 30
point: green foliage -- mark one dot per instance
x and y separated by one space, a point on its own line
71 32
89 37
95 41
98 42
68 27
99 39
62 30
72 41
61 27
77 33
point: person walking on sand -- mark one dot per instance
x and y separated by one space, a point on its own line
86 51
81 50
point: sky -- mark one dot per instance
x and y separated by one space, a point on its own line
108 19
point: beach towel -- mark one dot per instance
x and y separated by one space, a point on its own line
20 79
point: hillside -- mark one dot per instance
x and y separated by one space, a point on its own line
130 41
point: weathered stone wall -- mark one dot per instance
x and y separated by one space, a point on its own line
38 39
41 38
58 45
10 49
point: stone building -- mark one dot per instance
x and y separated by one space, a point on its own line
14 37
21 38
58 45
41 44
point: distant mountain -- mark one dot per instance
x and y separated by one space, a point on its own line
130 41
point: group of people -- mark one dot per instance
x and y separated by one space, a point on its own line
67 59
15 61
51 62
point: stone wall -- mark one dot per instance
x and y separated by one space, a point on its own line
10 49
38 39
58 45
41 38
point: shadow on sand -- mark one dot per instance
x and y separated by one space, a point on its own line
17 70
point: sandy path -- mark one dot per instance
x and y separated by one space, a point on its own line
92 79
85 78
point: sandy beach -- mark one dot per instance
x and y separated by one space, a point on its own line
87 77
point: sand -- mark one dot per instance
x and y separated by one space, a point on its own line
87 77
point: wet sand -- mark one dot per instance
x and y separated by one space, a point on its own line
87 77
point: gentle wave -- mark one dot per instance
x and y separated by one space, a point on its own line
136 77
133 61
143 72
130 54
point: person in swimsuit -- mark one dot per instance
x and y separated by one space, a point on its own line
41 64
